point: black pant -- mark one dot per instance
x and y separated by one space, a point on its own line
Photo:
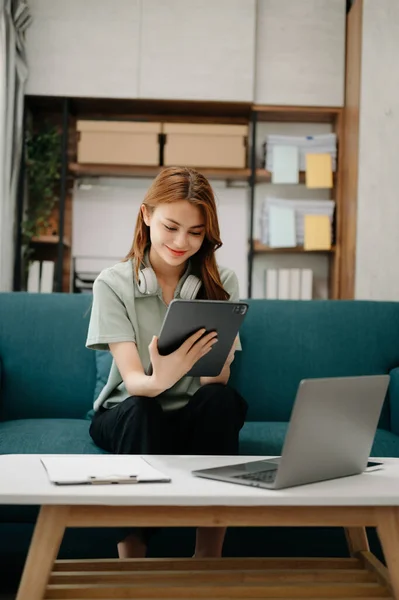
209 424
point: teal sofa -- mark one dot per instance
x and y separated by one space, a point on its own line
48 381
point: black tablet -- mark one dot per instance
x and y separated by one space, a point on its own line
185 317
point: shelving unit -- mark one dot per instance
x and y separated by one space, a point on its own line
69 110
291 114
66 111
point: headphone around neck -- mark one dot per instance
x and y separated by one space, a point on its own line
148 284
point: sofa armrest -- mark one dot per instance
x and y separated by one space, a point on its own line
394 399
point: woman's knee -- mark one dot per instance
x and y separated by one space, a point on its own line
226 400
121 430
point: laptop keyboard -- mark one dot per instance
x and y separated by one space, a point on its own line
265 476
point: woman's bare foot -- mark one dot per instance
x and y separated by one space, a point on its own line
132 547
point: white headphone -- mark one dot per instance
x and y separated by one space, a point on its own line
148 284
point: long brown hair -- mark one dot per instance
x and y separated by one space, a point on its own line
182 183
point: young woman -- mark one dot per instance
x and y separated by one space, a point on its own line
167 412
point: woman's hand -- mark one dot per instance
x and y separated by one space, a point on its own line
224 374
168 370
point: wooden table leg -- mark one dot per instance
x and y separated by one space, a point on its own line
357 540
388 531
43 551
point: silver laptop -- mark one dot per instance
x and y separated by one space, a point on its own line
330 435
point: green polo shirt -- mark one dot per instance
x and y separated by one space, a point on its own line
121 313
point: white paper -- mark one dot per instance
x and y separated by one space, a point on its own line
285 164
93 469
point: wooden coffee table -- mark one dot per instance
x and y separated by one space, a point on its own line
371 499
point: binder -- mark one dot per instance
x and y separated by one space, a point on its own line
92 469
284 284
307 284
295 284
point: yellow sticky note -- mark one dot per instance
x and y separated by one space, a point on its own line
319 171
317 232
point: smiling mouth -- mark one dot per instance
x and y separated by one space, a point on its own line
177 252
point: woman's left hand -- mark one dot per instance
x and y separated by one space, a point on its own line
224 374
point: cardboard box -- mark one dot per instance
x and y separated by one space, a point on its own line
197 145
118 142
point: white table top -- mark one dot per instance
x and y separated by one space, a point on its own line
23 480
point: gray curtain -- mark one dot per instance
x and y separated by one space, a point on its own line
14 20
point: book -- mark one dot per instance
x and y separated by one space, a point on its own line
91 469
33 283
47 277
284 284
271 284
295 284
306 284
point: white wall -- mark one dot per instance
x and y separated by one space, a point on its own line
377 252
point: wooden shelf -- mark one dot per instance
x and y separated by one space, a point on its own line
297 114
184 111
263 176
49 239
92 170
260 248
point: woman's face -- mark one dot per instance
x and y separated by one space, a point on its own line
177 230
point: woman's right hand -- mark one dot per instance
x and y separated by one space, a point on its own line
168 370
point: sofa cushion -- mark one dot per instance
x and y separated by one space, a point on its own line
47 436
266 439
47 372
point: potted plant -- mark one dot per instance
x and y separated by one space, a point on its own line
43 165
